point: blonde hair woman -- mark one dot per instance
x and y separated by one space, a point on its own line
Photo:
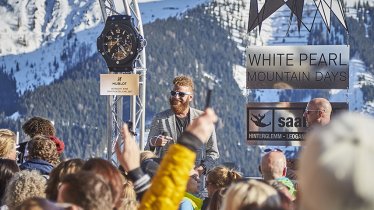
7 144
24 185
251 195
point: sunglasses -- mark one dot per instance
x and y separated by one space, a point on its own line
272 150
306 111
196 178
180 94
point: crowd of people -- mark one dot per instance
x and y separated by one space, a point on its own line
333 170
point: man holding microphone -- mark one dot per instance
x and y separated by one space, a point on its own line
168 125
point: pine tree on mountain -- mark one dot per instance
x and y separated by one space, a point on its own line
8 92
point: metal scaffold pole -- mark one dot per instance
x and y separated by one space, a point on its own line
136 113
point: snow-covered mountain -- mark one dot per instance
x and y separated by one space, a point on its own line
39 40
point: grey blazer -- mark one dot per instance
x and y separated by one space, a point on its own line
165 122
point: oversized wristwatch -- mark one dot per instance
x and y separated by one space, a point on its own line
120 43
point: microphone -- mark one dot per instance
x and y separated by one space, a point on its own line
165 133
167 136
159 148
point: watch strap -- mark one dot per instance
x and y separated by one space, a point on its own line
127 68
119 18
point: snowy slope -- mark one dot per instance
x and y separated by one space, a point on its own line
39 40
162 9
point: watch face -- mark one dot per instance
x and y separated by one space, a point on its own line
119 43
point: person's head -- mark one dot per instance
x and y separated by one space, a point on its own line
273 165
38 126
86 190
251 194
182 94
318 112
41 147
193 182
7 144
24 185
7 169
110 174
216 199
335 166
56 175
219 177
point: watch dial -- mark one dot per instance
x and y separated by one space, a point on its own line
119 42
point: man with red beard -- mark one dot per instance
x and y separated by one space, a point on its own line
168 125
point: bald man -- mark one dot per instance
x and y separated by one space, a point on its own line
318 112
274 167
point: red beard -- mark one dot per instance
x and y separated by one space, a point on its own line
178 106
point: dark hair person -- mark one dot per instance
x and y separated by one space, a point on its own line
43 155
217 178
7 169
38 126
87 190
64 168
215 202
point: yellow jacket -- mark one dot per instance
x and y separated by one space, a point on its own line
169 184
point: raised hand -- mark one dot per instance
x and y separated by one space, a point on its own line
203 126
129 155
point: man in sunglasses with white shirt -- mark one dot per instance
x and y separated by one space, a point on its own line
168 125
318 112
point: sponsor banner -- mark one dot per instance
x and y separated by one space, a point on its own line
279 123
298 67
119 84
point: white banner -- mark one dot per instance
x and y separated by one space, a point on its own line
298 67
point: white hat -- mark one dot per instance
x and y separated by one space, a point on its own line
337 165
